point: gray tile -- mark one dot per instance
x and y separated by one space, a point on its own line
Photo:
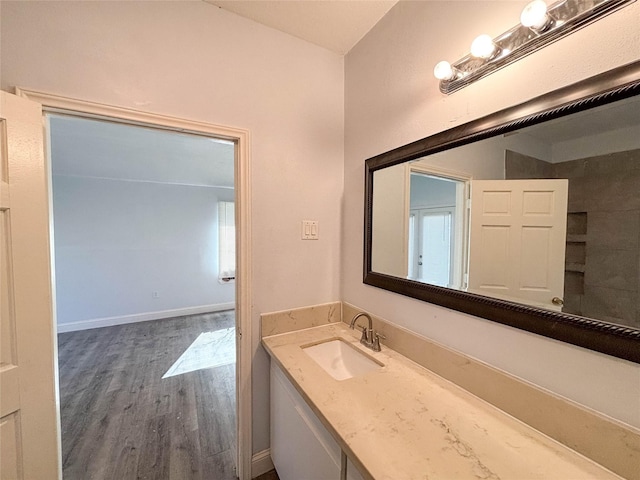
571 169
577 223
616 269
618 162
617 230
573 284
572 303
616 306
575 253
578 193
614 192
519 166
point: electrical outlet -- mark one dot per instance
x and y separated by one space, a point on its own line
155 295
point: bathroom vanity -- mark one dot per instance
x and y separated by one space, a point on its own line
397 420
301 446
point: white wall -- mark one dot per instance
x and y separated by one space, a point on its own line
117 242
196 61
392 98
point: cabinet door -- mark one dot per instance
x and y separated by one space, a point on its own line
301 448
352 472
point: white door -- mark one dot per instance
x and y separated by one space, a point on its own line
29 439
518 240
432 245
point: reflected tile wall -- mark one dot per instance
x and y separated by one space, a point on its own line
604 195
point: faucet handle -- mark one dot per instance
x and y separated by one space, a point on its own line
365 335
376 341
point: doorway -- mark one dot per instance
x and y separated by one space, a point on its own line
26 146
432 245
437 227
143 218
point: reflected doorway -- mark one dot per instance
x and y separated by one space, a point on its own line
438 228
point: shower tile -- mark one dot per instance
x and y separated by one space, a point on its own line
571 169
573 284
577 223
613 163
618 230
578 193
608 304
519 166
572 303
575 253
614 269
613 192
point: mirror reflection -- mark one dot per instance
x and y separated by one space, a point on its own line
547 216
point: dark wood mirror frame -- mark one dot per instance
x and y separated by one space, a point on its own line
616 340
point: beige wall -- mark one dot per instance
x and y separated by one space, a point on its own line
392 98
194 60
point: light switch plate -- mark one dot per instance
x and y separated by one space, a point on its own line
309 230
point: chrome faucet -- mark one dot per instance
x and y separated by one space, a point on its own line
370 338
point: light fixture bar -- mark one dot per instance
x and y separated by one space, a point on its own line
562 18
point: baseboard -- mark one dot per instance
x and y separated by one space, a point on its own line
142 317
261 463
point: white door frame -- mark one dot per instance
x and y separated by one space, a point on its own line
58 104
463 192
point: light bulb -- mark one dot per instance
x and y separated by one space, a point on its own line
444 71
534 15
483 47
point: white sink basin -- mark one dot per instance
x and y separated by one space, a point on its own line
340 359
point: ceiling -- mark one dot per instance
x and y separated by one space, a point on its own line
96 149
336 25
607 118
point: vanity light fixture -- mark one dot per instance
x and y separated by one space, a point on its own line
444 71
540 24
483 47
535 17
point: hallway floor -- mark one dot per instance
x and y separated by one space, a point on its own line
122 420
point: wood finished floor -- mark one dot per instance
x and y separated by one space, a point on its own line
121 420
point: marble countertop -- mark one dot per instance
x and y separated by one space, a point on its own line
404 422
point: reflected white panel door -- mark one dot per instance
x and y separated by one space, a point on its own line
28 413
518 240
435 247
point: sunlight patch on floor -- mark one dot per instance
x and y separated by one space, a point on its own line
210 349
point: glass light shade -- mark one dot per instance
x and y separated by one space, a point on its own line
534 15
444 71
483 47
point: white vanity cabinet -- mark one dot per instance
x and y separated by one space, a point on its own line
301 448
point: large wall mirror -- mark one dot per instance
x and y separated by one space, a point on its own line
529 217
